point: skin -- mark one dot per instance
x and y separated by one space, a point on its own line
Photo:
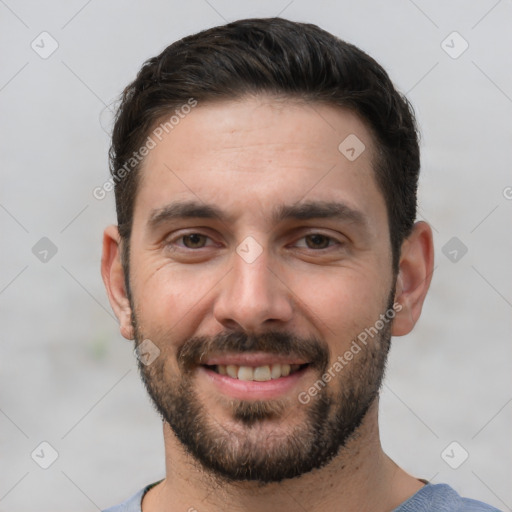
246 157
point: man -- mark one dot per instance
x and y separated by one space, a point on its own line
265 176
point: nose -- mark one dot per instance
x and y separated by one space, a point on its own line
253 297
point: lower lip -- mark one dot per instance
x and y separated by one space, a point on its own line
255 390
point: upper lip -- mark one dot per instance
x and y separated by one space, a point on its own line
252 359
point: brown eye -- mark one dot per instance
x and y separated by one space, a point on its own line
317 241
194 241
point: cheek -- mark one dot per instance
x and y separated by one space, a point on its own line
342 304
171 302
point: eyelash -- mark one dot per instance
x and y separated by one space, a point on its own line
331 241
182 237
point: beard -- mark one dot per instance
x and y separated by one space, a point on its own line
257 443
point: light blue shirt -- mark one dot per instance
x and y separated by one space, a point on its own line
431 498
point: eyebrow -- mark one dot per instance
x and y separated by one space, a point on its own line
299 211
183 210
319 210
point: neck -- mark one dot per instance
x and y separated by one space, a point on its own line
361 477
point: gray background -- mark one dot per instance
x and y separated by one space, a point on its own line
67 377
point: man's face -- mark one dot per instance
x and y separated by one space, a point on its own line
259 249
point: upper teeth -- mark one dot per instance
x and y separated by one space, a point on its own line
258 373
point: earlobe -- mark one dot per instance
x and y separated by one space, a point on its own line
414 277
112 273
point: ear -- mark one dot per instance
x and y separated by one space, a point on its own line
113 276
414 276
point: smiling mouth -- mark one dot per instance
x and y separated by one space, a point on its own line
257 373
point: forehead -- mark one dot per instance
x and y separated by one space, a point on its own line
256 152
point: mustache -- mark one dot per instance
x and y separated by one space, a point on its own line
197 349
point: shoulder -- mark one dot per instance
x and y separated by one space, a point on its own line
442 498
132 504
